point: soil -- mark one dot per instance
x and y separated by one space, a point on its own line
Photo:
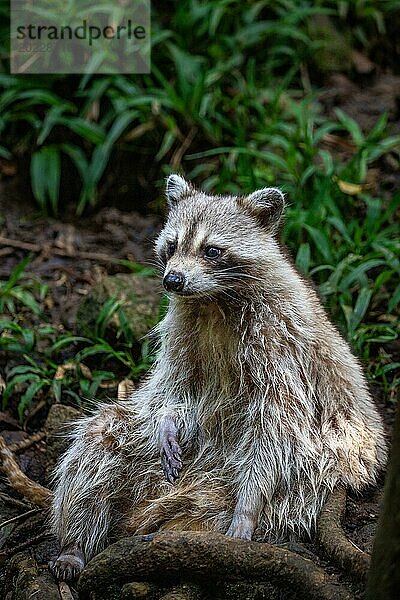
71 255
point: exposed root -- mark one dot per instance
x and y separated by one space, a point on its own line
33 491
184 592
205 557
25 444
65 591
332 538
30 581
138 589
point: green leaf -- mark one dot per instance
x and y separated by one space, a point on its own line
107 311
303 258
27 299
19 369
85 129
16 274
45 177
360 308
395 299
53 176
321 242
39 178
166 144
78 157
101 157
65 341
26 399
354 275
351 126
391 367
4 153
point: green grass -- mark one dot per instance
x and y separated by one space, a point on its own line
63 365
229 103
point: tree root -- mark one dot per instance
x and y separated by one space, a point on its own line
30 581
205 557
333 541
185 591
25 444
33 491
65 591
138 589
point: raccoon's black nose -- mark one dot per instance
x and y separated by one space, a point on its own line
174 282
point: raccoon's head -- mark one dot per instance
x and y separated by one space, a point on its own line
217 245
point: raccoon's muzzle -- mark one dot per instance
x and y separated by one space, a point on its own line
174 282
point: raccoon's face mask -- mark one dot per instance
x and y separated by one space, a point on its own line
213 245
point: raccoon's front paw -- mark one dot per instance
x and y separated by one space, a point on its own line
171 460
68 566
241 528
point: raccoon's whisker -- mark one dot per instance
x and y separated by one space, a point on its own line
159 267
229 295
233 268
233 276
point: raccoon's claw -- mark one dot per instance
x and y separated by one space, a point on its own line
171 458
68 566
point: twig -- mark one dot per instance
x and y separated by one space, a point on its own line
18 517
28 543
37 249
65 591
37 408
24 444
179 153
332 538
14 502
35 492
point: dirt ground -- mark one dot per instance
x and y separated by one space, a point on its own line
70 255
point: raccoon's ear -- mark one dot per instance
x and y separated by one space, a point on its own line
176 187
267 205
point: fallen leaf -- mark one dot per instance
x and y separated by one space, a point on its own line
125 388
362 63
62 370
351 189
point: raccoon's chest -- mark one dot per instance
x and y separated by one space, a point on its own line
216 354
217 387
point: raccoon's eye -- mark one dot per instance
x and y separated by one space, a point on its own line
212 252
171 247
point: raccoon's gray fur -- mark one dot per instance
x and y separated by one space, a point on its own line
253 389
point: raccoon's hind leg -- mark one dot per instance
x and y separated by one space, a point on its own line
90 480
69 564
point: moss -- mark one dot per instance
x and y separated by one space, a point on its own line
139 297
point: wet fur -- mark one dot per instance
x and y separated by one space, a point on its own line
271 408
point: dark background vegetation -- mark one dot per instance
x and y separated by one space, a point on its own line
297 94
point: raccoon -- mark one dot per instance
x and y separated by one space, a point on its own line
254 410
